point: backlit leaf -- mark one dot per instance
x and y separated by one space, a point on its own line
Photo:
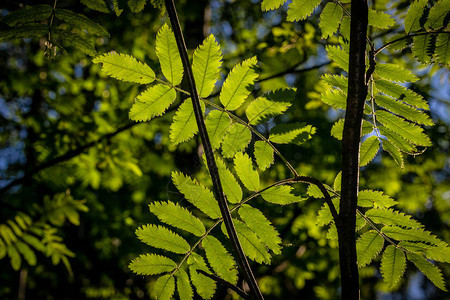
330 18
244 169
369 149
151 264
269 105
414 14
164 287
393 264
152 102
184 125
281 194
300 9
217 123
368 246
163 238
237 139
220 259
263 155
169 58
294 133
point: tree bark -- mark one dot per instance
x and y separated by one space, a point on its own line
357 92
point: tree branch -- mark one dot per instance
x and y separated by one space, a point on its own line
62 158
213 170
225 283
356 96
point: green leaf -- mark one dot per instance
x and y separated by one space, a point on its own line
398 42
392 217
338 128
443 48
394 72
237 139
184 288
293 133
184 125
197 194
75 40
330 18
220 259
263 155
267 5
270 105
206 66
152 102
136 5
395 152
151 264
337 183
217 123
244 169
281 194
164 287
431 271
205 286
401 93
14 256
251 244
393 264
397 140
339 56
230 186
236 87
23 32
300 9
422 48
339 81
438 15
34 241
162 238
169 58
406 130
28 14
414 14
403 110
380 19
335 98
81 21
414 235
262 227
98 5
27 253
439 253
177 216
369 198
324 216
368 246
344 29
126 68
369 149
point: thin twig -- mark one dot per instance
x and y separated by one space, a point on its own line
213 170
225 283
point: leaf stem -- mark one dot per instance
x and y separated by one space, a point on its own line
213 170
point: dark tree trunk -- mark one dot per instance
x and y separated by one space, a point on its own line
357 92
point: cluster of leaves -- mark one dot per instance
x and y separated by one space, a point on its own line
40 232
230 134
233 135
382 227
60 27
